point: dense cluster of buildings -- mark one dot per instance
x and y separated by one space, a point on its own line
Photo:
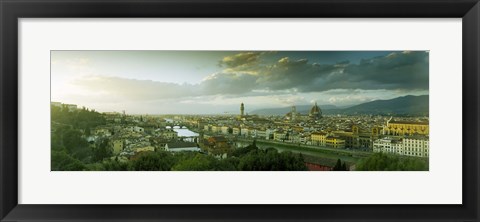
409 135
404 138
135 135
129 135
126 136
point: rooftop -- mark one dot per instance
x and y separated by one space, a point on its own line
409 122
180 144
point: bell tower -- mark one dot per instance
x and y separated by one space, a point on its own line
242 109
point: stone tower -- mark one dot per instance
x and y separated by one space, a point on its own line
242 109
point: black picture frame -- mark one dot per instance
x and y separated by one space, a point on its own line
12 10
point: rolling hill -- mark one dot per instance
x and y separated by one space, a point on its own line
303 109
406 105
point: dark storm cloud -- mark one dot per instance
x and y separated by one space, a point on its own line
248 73
399 70
346 62
292 74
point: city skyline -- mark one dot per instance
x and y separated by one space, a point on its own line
215 82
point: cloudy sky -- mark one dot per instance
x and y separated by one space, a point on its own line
216 82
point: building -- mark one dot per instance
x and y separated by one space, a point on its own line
236 131
244 131
317 167
101 131
261 133
357 139
217 146
224 129
298 138
280 135
334 142
269 134
56 104
406 128
388 145
242 110
170 134
69 107
181 146
159 143
318 138
252 132
144 149
417 146
315 112
293 115
216 129
117 146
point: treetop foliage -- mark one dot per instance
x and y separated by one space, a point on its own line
389 162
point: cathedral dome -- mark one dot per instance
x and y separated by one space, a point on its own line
315 112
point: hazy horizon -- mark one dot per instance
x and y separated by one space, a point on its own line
215 82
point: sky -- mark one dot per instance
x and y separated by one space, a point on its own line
216 82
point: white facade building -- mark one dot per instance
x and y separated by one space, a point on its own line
181 146
236 131
416 146
260 134
269 134
224 129
408 146
244 131
280 135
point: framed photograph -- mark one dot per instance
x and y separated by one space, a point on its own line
226 110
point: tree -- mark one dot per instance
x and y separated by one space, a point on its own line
339 166
115 165
153 161
69 129
61 161
390 162
270 160
74 144
242 151
102 150
199 162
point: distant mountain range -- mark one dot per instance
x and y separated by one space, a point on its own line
406 105
304 109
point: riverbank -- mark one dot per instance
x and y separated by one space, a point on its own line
326 156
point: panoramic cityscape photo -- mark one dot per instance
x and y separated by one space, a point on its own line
239 110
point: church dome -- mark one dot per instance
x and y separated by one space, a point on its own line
315 111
